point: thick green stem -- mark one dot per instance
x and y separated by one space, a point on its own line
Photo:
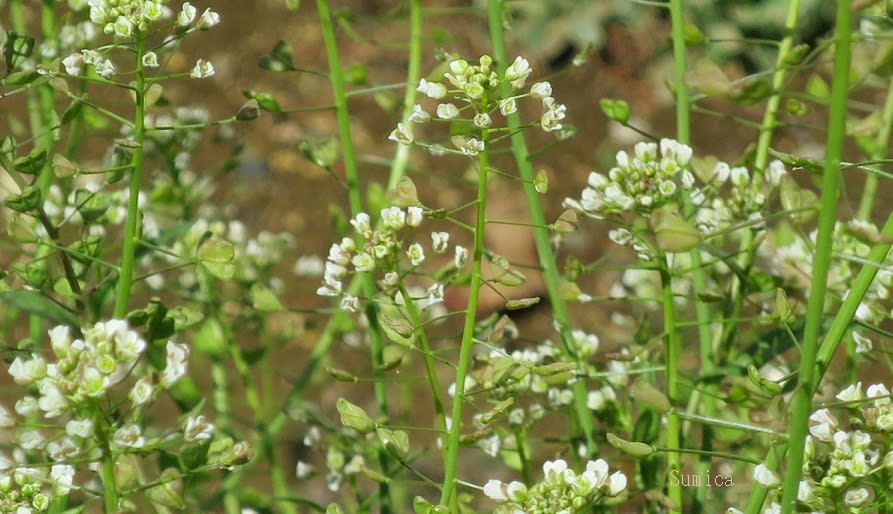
336 79
673 352
699 278
131 227
541 235
802 402
448 492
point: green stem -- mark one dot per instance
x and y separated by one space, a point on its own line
541 235
109 484
883 136
448 493
413 73
673 351
699 279
131 234
430 369
802 402
355 200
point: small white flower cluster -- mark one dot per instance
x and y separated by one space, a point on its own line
562 491
381 249
847 464
340 467
80 378
640 183
475 87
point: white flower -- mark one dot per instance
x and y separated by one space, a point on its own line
175 366
863 344
303 470
468 146
105 69
482 120
518 72
402 134
331 287
765 476
128 436
207 20
202 69
495 490
775 172
79 428
418 115
73 64
414 216
363 262
123 27
362 224
186 15
7 420
350 303
879 393
432 89
62 476
804 491
141 392
541 90
416 254
460 256
26 406
393 218
852 393
31 440
440 241
25 372
508 106
150 60
740 176
855 497
197 429
51 401
63 449
447 111
822 425
553 113
616 483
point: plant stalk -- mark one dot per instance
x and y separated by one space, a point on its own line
802 402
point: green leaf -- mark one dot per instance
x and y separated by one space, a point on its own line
292 5
39 305
616 110
21 78
264 299
280 58
217 256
